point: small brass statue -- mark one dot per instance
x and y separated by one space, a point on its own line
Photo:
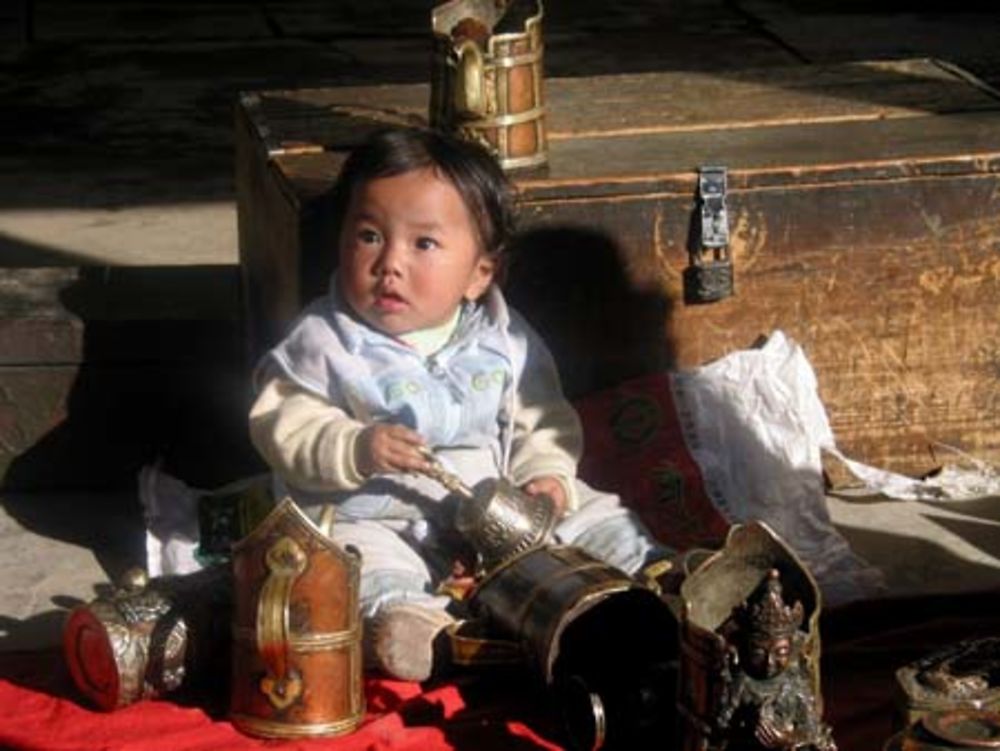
767 701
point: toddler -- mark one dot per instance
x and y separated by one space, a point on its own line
413 349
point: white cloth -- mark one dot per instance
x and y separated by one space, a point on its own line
755 424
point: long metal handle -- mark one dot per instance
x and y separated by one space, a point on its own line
285 561
451 481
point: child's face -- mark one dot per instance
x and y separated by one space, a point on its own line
409 252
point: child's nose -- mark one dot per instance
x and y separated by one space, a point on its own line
390 260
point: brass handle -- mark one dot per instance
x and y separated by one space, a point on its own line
326 519
471 648
451 482
285 561
470 99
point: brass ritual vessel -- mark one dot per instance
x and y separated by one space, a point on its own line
147 639
487 77
603 641
961 676
965 729
495 517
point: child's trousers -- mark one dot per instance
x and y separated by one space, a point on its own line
405 559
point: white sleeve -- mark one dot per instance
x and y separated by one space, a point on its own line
304 438
547 435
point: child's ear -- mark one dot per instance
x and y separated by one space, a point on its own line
482 276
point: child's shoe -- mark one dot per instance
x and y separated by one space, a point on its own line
404 639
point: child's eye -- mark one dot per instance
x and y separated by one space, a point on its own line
368 236
426 243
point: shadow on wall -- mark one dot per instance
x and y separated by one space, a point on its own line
15 252
572 285
604 330
108 369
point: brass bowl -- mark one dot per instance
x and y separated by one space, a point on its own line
501 521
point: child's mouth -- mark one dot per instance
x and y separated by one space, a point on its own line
389 302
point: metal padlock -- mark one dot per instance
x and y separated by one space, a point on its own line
709 277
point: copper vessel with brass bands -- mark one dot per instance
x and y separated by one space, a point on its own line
539 595
297 663
487 77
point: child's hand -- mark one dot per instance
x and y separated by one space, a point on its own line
550 486
385 447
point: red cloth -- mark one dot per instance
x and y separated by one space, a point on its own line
634 446
863 645
401 717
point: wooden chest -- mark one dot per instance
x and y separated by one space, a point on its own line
864 212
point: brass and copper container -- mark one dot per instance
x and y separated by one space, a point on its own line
960 676
148 639
487 77
296 631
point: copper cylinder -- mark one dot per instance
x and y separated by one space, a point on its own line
296 631
487 82
605 643
540 595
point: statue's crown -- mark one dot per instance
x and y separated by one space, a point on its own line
768 615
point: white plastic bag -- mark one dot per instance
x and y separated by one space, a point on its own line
170 509
755 424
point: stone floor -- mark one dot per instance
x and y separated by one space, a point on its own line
117 151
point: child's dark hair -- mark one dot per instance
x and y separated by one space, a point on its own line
471 169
